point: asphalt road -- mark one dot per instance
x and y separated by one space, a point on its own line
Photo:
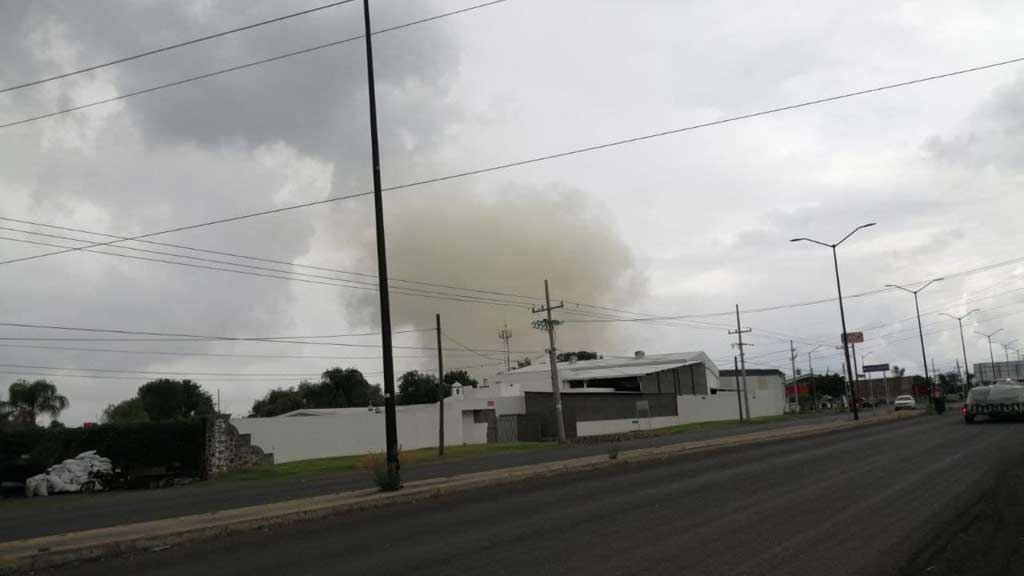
20 519
860 501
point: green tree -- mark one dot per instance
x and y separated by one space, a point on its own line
415 387
827 385
337 388
124 412
460 376
166 399
27 401
277 401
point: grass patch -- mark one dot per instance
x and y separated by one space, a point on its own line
322 466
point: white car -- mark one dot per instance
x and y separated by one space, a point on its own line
904 403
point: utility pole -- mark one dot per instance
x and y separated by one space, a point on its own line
394 479
743 361
796 390
739 396
506 335
549 325
885 382
810 370
218 401
440 390
960 374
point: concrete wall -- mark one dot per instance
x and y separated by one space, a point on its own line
595 406
691 409
767 393
359 431
602 427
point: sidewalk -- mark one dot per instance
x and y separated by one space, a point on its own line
113 539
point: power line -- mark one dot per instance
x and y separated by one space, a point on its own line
111 371
244 257
238 67
209 354
205 338
464 347
171 47
544 158
338 282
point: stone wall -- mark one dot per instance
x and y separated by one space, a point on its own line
227 449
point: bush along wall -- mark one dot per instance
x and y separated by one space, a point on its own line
177 447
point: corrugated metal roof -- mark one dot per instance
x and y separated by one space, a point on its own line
605 373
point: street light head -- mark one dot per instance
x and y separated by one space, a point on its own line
869 225
797 239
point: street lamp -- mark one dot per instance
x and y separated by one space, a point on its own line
991 357
1006 349
963 345
842 313
920 332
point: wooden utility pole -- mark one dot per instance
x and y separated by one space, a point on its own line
440 389
739 394
792 360
743 361
394 479
549 325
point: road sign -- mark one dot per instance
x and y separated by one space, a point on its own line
854 337
876 368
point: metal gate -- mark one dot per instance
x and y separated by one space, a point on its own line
508 428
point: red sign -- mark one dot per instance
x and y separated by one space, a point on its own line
490 403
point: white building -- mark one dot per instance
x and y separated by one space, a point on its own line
606 396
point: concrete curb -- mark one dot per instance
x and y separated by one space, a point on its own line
51 551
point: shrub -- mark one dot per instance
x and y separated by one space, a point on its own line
177 446
376 465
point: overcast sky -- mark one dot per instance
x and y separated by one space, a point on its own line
692 223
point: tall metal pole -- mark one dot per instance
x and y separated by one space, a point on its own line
967 367
846 345
739 396
842 312
924 357
743 361
856 372
440 389
556 391
390 420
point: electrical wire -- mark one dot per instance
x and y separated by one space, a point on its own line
238 67
222 338
210 354
258 259
341 283
171 47
544 158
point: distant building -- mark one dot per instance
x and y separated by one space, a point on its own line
988 372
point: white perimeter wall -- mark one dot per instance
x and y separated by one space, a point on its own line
691 409
358 431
